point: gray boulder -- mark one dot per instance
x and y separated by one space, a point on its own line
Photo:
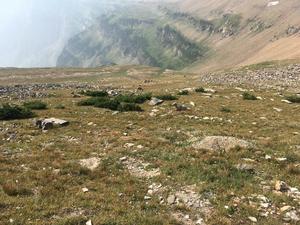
46 124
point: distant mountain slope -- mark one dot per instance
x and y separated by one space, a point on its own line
267 30
191 34
120 38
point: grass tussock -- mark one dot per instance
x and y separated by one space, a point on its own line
35 105
183 92
200 90
167 97
249 96
293 98
225 109
12 112
15 190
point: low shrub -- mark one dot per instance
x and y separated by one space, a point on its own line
183 92
108 104
200 90
167 97
249 96
293 98
127 107
60 106
225 109
11 112
94 93
35 105
138 99
92 101
15 190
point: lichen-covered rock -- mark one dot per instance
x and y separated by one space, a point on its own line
221 143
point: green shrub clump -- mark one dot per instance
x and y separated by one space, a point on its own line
91 101
127 107
8 112
200 90
117 104
107 104
293 98
225 109
95 93
167 97
138 99
183 92
248 96
35 105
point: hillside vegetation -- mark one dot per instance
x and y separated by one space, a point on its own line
194 35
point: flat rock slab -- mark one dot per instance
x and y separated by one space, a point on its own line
90 163
155 101
221 143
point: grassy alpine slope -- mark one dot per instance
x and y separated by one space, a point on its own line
146 167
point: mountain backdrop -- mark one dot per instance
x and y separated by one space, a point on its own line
187 34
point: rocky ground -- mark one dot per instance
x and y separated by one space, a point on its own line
212 158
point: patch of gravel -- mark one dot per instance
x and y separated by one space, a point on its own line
288 76
138 168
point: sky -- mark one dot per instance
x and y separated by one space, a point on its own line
33 32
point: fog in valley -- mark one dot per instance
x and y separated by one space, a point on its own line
33 32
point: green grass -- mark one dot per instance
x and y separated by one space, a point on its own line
12 112
35 105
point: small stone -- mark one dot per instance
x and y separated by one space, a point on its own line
277 109
281 186
140 146
89 222
267 157
286 101
285 208
123 159
252 219
128 145
85 190
281 159
291 216
245 167
147 197
171 199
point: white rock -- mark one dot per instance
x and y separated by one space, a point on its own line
85 190
252 219
89 222
286 101
267 157
277 109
